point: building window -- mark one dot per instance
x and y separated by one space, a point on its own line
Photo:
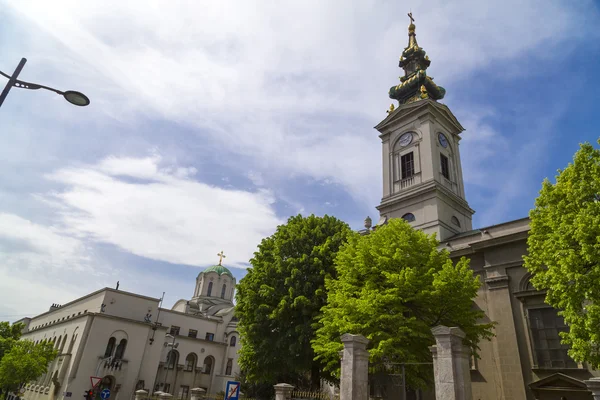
174 330
409 217
407 165
210 336
183 392
229 366
445 166
208 363
167 387
110 347
193 333
545 325
121 349
208 293
190 362
172 359
455 221
223 291
140 385
232 341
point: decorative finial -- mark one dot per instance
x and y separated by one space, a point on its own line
117 285
368 222
424 94
391 110
411 27
221 257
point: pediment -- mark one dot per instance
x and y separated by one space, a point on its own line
558 381
406 109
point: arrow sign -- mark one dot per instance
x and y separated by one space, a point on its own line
105 394
95 381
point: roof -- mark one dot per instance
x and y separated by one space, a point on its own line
219 269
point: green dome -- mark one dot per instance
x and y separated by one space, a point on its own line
219 269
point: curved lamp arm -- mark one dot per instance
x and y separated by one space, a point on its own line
32 86
73 97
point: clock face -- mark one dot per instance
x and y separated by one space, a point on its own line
443 140
406 139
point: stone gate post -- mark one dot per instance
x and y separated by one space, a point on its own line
594 386
141 394
283 391
197 393
354 382
451 370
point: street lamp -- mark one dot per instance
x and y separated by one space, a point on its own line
73 97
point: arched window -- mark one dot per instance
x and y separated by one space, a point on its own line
409 217
232 341
229 367
223 291
121 349
172 359
110 347
208 364
57 347
190 362
455 221
209 289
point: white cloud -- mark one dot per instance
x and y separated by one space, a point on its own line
251 75
167 216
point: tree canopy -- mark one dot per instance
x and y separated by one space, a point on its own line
279 299
564 251
9 334
25 361
393 286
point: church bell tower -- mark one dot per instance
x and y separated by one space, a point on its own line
422 173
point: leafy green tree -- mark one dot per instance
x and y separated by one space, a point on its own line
9 334
393 286
24 362
279 299
564 251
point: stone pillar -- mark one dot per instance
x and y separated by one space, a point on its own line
594 386
165 396
141 394
354 382
283 391
197 393
451 370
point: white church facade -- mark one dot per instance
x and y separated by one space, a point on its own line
131 343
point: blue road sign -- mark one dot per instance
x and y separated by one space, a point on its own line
232 391
105 394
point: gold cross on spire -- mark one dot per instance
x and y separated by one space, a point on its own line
411 17
221 256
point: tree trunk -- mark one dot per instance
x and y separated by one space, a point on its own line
315 377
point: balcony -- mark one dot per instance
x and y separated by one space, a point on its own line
407 182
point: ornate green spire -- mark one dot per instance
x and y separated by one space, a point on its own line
415 84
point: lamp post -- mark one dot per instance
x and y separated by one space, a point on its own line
173 346
73 97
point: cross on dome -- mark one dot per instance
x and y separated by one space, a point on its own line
221 257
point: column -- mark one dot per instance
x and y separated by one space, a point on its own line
165 396
451 370
283 391
197 393
594 386
141 394
354 381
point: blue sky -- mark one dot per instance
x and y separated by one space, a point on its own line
211 124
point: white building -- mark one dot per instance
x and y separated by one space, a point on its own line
131 343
